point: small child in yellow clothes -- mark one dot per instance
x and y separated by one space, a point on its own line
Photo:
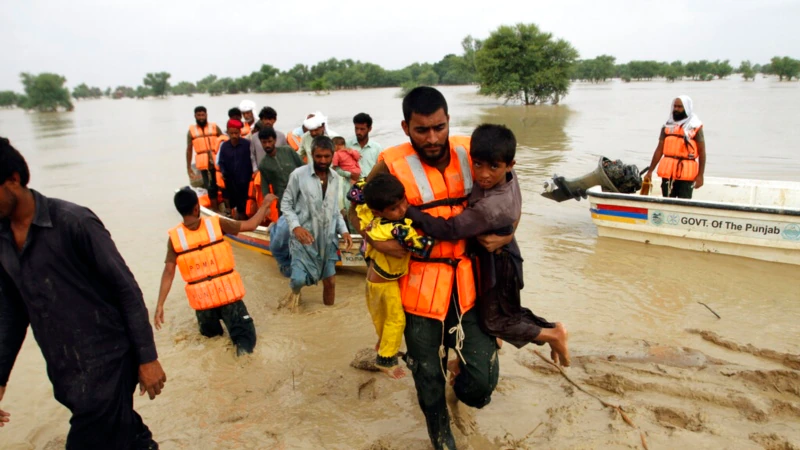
381 210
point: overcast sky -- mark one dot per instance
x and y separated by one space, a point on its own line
109 43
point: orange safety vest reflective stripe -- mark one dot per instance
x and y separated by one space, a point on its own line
205 142
293 140
680 155
206 264
427 287
255 196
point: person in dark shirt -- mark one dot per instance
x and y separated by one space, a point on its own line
275 167
494 206
61 273
237 167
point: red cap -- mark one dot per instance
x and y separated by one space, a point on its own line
233 123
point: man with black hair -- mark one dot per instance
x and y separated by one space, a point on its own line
202 143
266 119
236 114
369 149
199 242
494 205
61 273
439 291
310 205
236 164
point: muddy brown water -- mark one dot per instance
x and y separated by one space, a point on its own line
125 158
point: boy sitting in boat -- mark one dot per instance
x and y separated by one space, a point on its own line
381 208
494 207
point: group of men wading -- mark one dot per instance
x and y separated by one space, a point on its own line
89 317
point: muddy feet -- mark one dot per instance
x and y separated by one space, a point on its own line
459 414
290 301
453 369
394 372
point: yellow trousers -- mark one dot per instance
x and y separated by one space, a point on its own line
386 309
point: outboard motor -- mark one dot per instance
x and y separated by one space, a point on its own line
612 176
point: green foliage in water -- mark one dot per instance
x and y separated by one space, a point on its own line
595 70
747 71
184 88
8 99
82 91
45 92
158 84
525 64
783 67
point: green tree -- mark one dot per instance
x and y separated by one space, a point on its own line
142 92
45 92
747 71
721 68
526 64
205 83
320 85
300 74
785 67
184 88
8 99
428 78
158 83
454 69
83 91
107 92
471 47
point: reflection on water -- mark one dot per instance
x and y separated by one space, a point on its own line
52 125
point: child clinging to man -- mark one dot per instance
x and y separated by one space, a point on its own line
381 208
346 159
494 207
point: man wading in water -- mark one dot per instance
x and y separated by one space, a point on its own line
438 294
61 273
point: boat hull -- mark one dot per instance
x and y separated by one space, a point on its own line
762 228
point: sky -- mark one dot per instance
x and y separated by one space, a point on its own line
110 43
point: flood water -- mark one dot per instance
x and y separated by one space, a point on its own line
125 158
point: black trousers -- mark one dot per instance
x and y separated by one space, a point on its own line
680 189
473 386
237 194
237 320
210 181
102 408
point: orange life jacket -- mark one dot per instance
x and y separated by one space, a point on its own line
293 140
205 143
255 196
680 155
206 264
427 287
220 179
245 129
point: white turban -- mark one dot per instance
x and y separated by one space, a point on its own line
315 122
691 122
247 105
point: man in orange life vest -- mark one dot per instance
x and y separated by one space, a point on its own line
203 141
438 293
681 144
205 261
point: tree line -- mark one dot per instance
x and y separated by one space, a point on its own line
604 67
520 63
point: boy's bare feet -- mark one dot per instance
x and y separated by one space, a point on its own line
559 350
453 369
394 372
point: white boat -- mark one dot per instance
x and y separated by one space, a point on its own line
750 218
258 240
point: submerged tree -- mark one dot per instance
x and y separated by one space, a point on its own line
747 71
158 83
8 99
526 64
45 92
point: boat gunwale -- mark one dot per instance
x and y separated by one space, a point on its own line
595 192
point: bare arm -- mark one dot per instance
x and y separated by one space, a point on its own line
189 158
656 158
163 291
701 152
253 222
470 223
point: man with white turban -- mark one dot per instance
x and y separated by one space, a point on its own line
680 146
316 125
248 108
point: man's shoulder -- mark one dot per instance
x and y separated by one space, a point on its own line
64 212
456 141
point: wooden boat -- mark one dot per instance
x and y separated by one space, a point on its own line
258 240
742 217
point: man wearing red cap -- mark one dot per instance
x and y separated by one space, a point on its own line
237 168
